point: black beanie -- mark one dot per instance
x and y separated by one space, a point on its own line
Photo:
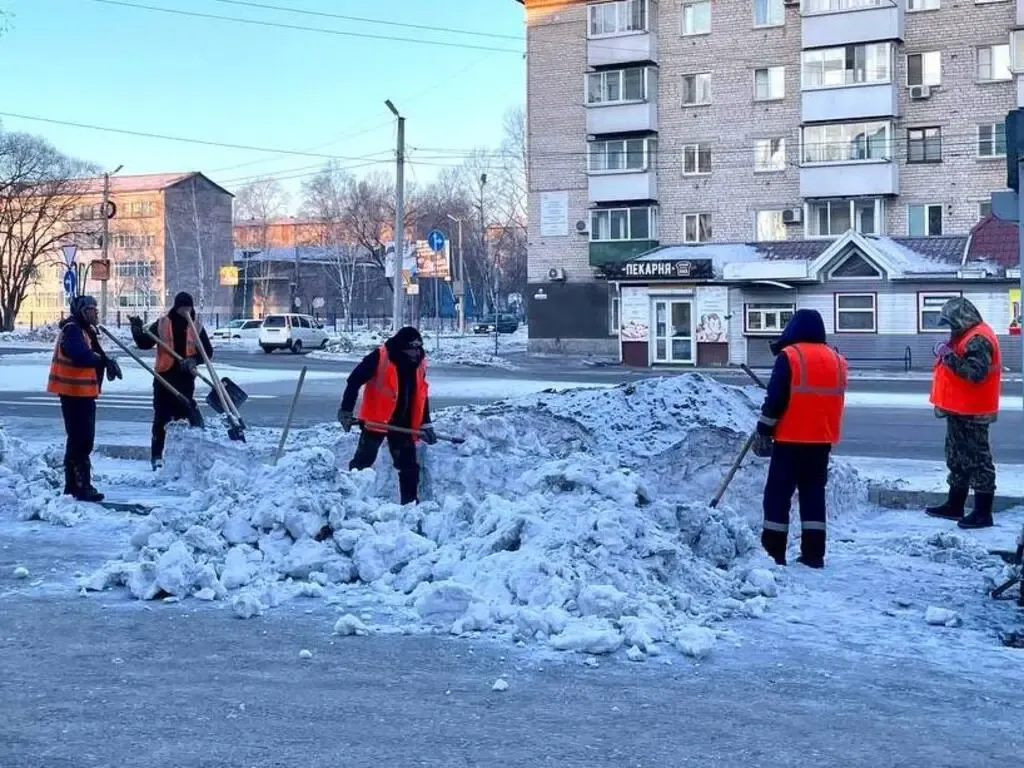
183 299
405 337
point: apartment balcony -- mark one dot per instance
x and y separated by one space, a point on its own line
615 252
828 105
827 23
622 49
622 118
616 187
850 179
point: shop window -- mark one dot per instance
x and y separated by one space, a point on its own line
856 313
928 307
766 319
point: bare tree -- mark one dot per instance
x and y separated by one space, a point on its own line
368 216
257 204
41 192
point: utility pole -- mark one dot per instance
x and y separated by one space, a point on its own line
105 245
399 236
462 279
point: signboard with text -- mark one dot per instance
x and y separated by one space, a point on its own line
660 270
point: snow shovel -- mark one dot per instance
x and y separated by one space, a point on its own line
413 432
237 395
743 451
236 428
195 418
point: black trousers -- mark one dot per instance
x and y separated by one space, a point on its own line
168 408
80 428
800 468
403 455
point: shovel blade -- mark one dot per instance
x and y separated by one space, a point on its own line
235 394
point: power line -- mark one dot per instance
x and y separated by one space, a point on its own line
300 28
365 20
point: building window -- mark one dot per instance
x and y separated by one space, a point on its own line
839 6
619 155
924 145
621 17
769 226
984 209
924 220
134 269
766 319
696 227
697 18
994 63
769 84
924 68
929 305
922 5
847 65
846 142
831 218
769 13
617 86
126 240
613 224
992 140
696 89
856 313
614 323
855 267
696 159
769 155
137 209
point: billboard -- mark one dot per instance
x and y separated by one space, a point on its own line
431 263
408 261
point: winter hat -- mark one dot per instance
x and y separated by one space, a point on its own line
183 299
81 303
405 338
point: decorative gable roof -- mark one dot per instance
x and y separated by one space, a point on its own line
994 241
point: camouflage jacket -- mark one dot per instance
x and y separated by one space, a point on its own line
961 316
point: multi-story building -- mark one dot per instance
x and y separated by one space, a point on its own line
169 233
753 121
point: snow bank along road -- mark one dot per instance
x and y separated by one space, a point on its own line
566 550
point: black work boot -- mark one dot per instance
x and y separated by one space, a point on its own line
86 490
409 485
981 515
812 549
70 480
774 543
952 508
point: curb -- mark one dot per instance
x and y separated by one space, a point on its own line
893 498
130 452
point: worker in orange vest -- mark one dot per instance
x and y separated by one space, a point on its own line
966 384
395 393
76 376
801 420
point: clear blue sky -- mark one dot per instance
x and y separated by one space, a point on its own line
140 70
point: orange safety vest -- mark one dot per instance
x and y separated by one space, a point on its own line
959 396
380 395
817 393
69 379
164 361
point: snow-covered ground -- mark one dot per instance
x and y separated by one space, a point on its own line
569 522
929 476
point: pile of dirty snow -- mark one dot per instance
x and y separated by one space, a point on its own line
579 520
31 485
450 349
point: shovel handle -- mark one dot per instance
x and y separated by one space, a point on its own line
377 426
184 400
225 402
170 350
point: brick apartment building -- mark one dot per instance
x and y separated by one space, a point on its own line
695 122
170 233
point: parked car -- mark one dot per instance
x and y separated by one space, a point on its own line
246 328
294 332
504 323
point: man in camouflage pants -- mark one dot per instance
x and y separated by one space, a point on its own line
965 392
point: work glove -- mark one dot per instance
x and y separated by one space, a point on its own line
346 419
135 322
762 446
113 369
428 434
190 366
942 349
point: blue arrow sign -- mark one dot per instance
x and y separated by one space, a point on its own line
436 240
70 283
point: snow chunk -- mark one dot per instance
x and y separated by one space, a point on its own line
940 617
305 654
695 642
499 685
349 625
596 638
21 572
246 605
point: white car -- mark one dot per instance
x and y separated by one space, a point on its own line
238 329
294 332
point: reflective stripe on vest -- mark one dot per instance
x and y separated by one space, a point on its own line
69 379
817 394
956 395
380 394
164 360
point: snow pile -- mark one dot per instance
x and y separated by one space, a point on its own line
30 486
946 547
44 336
578 519
451 349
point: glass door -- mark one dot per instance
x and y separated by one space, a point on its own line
673 332
660 335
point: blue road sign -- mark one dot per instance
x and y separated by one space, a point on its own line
436 240
70 283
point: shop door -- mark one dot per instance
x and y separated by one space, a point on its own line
673 332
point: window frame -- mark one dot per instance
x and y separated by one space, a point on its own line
649 148
832 276
699 149
783 148
993 140
848 83
652 223
757 225
683 90
926 206
843 6
936 7
592 7
979 203
850 123
836 296
878 213
765 308
682 18
614 312
922 54
603 75
925 143
921 297
781 7
699 219
769 70
992 64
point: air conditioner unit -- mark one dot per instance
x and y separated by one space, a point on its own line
582 228
920 91
792 215
556 274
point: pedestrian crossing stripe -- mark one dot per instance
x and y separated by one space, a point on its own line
120 402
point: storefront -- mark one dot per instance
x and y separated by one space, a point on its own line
669 313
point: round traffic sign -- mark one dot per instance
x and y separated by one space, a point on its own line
436 240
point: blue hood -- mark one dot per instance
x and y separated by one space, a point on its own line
806 326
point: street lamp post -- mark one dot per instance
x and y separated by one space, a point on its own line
105 246
399 236
462 279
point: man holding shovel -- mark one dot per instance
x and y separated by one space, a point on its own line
173 330
394 382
